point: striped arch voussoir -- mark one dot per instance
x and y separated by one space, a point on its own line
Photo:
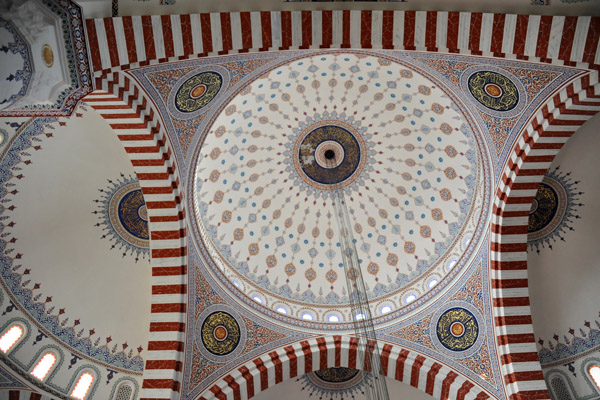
548 131
122 43
297 359
25 395
140 130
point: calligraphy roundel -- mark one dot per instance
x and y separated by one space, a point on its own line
219 332
495 91
197 91
457 329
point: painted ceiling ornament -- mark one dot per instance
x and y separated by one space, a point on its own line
334 383
309 143
198 91
123 217
457 329
496 91
414 173
220 333
553 210
47 55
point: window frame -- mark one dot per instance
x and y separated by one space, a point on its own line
39 359
23 335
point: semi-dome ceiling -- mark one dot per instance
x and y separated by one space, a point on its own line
406 158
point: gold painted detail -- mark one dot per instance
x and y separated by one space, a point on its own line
47 55
336 374
198 91
220 333
495 91
457 329
543 209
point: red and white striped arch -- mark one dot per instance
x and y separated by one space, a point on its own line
531 157
140 130
127 42
25 395
297 359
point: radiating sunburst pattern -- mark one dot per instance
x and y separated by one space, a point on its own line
406 159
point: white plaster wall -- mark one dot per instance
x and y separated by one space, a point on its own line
564 282
55 232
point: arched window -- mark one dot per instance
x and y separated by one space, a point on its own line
11 337
560 389
124 392
83 386
595 374
44 366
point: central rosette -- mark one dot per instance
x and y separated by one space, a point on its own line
384 134
329 154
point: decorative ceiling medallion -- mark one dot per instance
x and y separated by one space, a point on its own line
333 383
124 218
312 149
495 91
457 329
219 333
553 210
413 171
196 91
47 55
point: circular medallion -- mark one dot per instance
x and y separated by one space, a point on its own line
495 91
545 205
553 209
328 155
124 217
457 329
47 55
128 205
198 91
337 382
220 333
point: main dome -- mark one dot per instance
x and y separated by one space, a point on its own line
403 153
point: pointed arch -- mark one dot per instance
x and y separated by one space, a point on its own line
294 360
529 160
140 130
